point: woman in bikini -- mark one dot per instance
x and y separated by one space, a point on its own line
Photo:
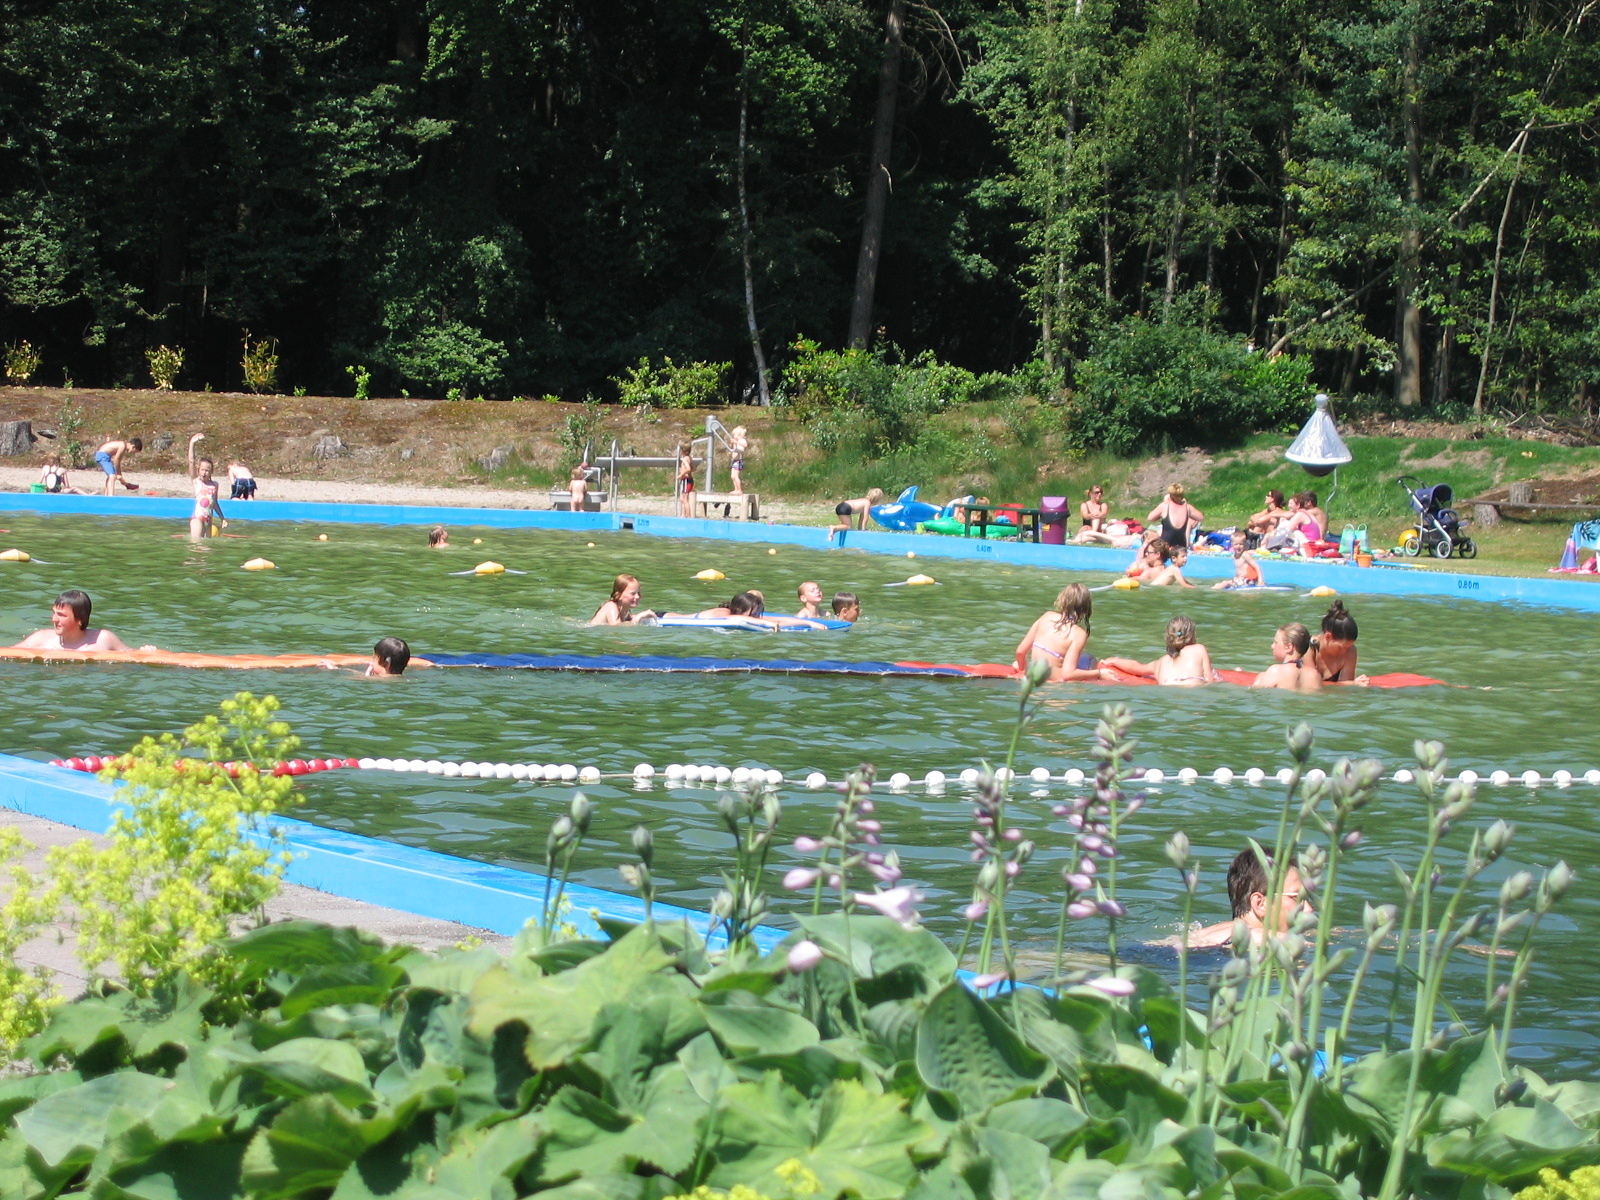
1179 519
1059 636
1094 510
1289 669
1267 520
1333 652
1185 664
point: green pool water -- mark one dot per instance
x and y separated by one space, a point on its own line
1526 686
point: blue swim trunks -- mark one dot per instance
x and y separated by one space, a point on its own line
106 465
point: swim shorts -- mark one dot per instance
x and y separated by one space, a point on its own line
844 509
106 465
244 489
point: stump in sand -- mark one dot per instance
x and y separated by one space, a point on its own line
16 437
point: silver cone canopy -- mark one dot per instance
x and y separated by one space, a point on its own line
1319 448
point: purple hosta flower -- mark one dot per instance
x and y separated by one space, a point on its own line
976 856
1076 820
801 877
977 839
1112 908
1112 986
1060 810
804 956
1107 851
875 858
1133 806
986 821
885 872
865 806
1351 840
1093 842
1012 835
1078 883
834 882
1086 866
870 826
807 845
976 911
1012 868
984 982
899 903
1079 910
872 839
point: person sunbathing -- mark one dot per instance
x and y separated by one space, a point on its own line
1290 670
1185 664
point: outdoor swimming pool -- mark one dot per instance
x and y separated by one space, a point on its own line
368 581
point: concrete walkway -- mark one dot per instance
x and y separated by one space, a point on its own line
57 950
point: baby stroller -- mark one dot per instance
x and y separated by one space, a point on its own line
1438 529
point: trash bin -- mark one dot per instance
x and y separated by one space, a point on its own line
1053 521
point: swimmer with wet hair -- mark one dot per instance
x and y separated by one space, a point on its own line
439 538
1333 653
1059 638
1185 664
810 593
1290 670
389 657
846 607
620 608
69 628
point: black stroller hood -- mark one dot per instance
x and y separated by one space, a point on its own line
1433 497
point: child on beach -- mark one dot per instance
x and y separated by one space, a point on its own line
846 607
439 538
110 456
243 483
810 593
619 610
206 508
1290 670
54 477
1185 664
739 444
1059 636
1246 574
852 514
578 487
685 479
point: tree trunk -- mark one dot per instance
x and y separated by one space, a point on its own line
1216 194
878 179
1106 256
744 254
1180 204
16 437
1494 283
1408 369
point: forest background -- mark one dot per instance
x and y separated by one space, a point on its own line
465 197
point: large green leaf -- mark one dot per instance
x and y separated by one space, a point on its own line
481 1165
1126 1093
1047 1121
587 1136
303 1066
340 983
881 945
1511 1143
309 1145
20 1091
764 1030
101 1032
293 946
966 1049
853 1141
1580 1100
182 1171
72 1124
560 1010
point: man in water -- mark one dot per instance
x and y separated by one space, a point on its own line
1249 880
69 628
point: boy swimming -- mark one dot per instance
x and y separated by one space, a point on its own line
1290 670
1246 574
810 593
846 607
1185 664
389 657
1059 636
110 456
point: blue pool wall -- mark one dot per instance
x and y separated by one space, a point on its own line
1348 580
405 878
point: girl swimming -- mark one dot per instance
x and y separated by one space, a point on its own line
1059 636
619 610
1290 670
1185 664
206 508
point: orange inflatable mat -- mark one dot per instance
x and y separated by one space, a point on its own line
180 658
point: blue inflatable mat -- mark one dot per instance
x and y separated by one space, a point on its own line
654 662
750 624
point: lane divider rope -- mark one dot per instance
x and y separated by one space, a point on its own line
932 781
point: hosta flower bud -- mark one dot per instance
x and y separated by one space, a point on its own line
976 911
807 845
582 810
1080 909
1078 883
1429 755
644 843
804 956
1300 740
1112 908
801 877
631 875
1516 887
1178 849
1559 880
1350 840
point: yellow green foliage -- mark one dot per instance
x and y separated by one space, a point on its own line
25 994
189 854
802 1181
1582 1184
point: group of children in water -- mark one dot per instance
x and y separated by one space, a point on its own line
623 607
1301 663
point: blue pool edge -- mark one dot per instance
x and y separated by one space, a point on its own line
1345 579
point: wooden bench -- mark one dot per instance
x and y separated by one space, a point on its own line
745 505
561 500
1486 512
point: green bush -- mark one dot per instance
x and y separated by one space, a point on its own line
165 363
453 356
1153 385
22 362
260 364
673 385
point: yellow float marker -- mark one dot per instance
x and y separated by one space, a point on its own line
489 568
920 580
1126 584
15 556
771 551
322 537
260 564
1324 590
710 573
